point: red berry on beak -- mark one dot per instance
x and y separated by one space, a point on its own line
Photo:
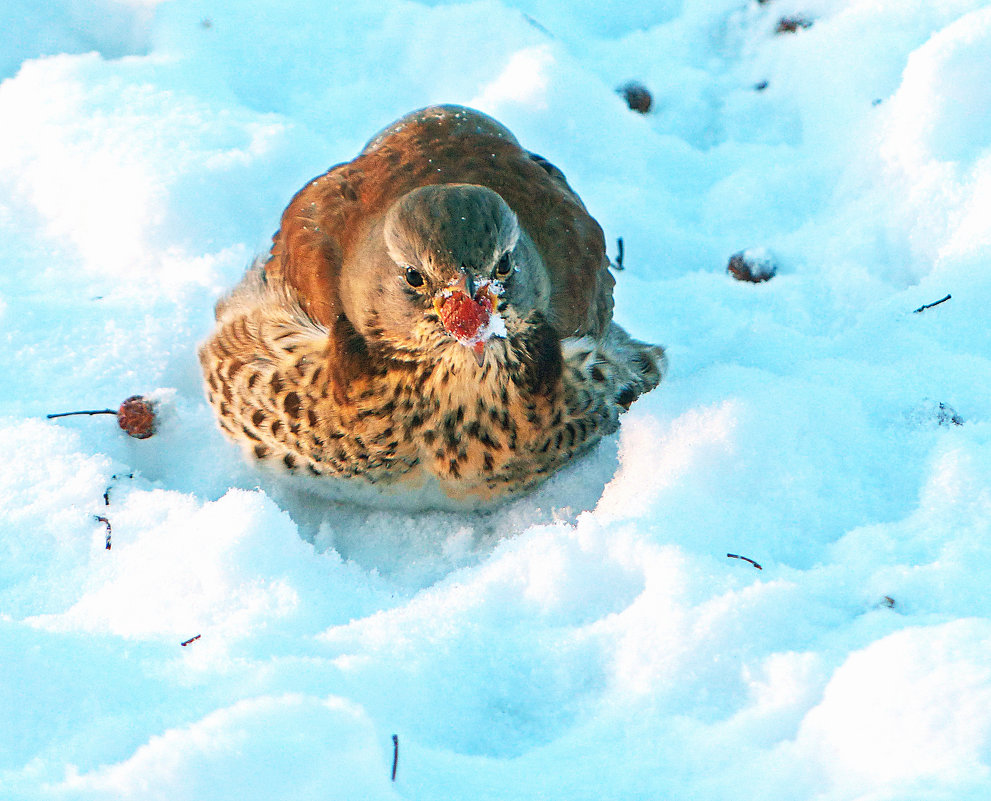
463 317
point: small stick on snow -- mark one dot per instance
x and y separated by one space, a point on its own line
92 411
618 264
106 492
745 559
191 639
930 305
106 522
395 755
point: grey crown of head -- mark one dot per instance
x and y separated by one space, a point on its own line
462 225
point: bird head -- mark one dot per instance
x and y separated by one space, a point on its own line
458 271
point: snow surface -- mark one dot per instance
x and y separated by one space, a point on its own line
591 641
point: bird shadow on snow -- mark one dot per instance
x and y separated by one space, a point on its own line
413 549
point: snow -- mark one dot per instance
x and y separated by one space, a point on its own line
589 641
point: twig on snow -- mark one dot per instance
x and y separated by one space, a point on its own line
930 305
105 522
618 264
745 559
113 478
92 411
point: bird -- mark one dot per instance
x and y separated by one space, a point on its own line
434 316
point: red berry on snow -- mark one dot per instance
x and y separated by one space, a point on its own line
137 417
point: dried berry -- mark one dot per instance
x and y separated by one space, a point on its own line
755 266
136 416
792 24
637 96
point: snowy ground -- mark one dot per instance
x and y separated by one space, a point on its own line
592 641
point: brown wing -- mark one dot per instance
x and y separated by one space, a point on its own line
444 144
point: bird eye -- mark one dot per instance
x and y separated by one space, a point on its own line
504 265
413 277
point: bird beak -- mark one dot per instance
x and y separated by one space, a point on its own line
463 283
